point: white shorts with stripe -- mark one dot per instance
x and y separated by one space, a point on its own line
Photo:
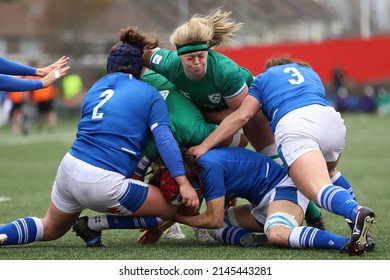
313 127
285 190
80 185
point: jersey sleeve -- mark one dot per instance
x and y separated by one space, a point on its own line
9 83
165 62
213 180
254 89
230 78
158 111
149 155
9 67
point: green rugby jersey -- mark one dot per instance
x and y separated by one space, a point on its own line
224 79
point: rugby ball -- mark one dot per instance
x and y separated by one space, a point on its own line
170 188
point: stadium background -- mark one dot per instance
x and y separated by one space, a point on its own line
352 34
323 32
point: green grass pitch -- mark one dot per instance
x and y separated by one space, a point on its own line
28 165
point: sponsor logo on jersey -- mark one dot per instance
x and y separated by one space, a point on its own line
156 59
164 93
186 94
215 98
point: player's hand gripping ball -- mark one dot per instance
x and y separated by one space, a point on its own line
170 188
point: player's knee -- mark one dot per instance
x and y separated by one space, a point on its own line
278 227
229 218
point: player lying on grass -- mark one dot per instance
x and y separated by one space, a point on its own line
276 206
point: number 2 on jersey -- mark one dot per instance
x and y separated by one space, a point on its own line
294 72
107 94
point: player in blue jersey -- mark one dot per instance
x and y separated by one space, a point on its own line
49 74
118 116
310 136
188 128
275 206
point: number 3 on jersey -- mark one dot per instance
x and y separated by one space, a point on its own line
298 78
107 94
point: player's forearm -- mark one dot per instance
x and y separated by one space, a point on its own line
169 151
226 129
200 221
10 83
10 67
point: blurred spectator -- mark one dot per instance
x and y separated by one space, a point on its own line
44 100
346 101
338 79
383 102
73 93
19 115
4 112
367 102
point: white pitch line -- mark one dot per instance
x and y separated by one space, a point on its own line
39 138
4 198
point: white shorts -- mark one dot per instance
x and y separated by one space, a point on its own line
313 127
285 190
80 185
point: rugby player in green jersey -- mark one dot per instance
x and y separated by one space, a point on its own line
188 125
188 128
213 81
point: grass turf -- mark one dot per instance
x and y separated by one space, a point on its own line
28 165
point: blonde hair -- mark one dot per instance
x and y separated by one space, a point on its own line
215 28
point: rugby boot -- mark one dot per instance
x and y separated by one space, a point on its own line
360 241
254 240
91 237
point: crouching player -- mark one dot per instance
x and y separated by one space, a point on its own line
276 206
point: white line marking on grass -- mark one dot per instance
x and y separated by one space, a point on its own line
4 198
39 138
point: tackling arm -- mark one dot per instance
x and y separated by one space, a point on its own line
212 218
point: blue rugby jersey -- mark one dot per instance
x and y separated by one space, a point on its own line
117 117
238 172
284 88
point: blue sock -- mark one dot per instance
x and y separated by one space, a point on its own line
122 222
23 231
231 235
309 237
338 201
341 181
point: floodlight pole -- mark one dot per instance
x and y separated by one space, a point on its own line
365 30
183 11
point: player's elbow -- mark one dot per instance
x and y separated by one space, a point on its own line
243 118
